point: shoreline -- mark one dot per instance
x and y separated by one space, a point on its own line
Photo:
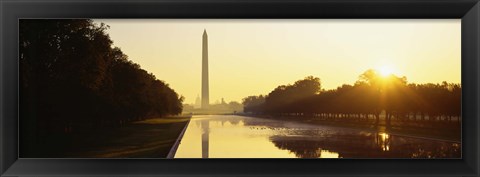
436 135
174 148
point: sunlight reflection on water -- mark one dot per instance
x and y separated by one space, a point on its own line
230 136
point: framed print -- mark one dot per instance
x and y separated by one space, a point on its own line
295 88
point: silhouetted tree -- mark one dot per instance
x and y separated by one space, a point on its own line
368 97
280 99
72 79
253 104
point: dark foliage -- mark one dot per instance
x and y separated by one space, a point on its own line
72 79
368 97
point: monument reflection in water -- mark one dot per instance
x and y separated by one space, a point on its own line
205 138
226 136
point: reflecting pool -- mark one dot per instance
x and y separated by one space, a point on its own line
232 136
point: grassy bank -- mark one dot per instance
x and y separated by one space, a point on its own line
151 138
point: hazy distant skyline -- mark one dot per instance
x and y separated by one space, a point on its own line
252 57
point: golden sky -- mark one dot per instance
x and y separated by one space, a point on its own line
252 57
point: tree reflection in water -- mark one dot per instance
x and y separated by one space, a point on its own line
232 136
366 145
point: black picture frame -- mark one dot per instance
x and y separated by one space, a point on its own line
466 10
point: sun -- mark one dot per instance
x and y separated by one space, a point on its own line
385 70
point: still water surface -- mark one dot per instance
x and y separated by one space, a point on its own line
231 136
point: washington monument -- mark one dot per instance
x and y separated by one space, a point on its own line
205 91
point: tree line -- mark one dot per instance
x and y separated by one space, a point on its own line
72 78
367 98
